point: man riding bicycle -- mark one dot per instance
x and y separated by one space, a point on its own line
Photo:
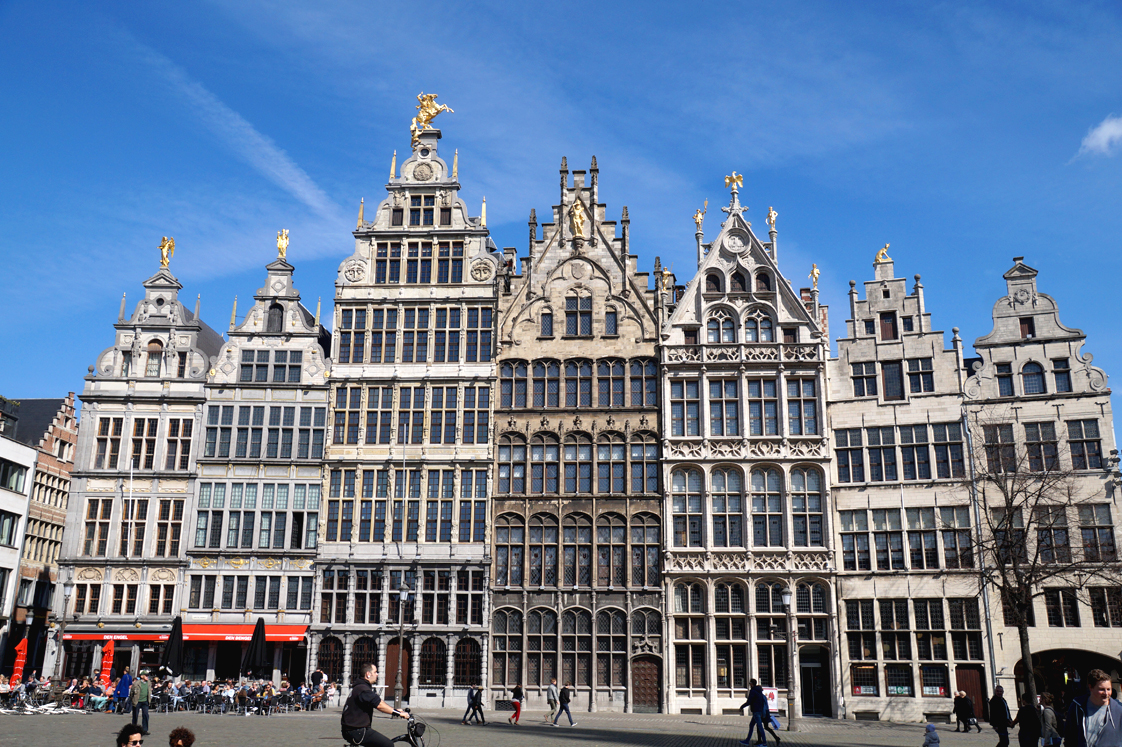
359 711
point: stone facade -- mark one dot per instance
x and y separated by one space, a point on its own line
744 471
408 461
133 481
17 473
577 508
252 529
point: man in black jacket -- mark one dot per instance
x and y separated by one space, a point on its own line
757 704
1000 718
359 711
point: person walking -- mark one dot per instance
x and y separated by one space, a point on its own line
1094 719
551 696
516 701
964 712
757 705
477 705
139 694
1049 722
358 711
563 699
121 693
1028 721
1000 718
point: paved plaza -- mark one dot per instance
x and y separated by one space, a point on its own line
593 730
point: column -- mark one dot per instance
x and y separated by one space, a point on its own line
348 646
794 702
710 652
449 668
414 667
211 658
277 652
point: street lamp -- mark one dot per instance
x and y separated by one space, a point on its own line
794 707
403 595
67 590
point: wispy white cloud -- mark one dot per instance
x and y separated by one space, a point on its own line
256 149
1103 140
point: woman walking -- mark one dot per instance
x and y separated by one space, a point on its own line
1050 732
516 701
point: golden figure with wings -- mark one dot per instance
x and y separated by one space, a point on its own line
737 179
882 256
167 251
427 109
282 243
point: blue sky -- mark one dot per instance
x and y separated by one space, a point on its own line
964 134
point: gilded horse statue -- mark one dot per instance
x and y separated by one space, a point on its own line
427 109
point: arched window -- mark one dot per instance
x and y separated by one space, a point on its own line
545 460
510 535
738 283
543 550
512 384
728 508
712 283
506 645
644 383
433 662
646 623
611 465
512 465
541 647
644 464
686 489
763 281
578 383
155 355
576 534
810 599
720 329
547 384
578 464
329 658
806 507
576 645
363 651
771 625
610 383
644 550
1032 378
611 647
611 550
688 598
467 663
274 324
767 508
758 327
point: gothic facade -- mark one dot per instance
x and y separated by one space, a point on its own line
408 463
745 474
578 514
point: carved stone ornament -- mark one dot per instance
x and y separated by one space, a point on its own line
89 574
126 575
354 270
271 563
422 172
481 271
736 242
206 562
1022 296
578 270
162 575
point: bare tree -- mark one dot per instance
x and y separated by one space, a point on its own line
1028 496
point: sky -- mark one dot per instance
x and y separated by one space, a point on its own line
963 134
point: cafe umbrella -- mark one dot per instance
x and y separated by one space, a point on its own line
255 660
171 662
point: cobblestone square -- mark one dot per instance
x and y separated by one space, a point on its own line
592 730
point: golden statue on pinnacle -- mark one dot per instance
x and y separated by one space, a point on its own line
427 109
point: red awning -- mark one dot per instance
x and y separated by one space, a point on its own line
114 636
276 633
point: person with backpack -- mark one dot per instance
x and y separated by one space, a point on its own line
563 701
1049 721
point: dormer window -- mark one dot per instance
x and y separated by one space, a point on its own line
738 283
415 211
445 216
1028 328
274 324
397 218
888 326
155 352
712 283
763 282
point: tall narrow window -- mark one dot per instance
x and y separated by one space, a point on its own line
893 380
1028 328
767 509
888 329
687 509
728 509
1061 369
155 354
724 408
274 323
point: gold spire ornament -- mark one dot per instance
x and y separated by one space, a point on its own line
882 256
814 273
735 178
167 251
699 216
393 166
771 216
427 109
282 243
361 205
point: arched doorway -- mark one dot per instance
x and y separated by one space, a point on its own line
646 684
363 651
390 675
330 658
814 666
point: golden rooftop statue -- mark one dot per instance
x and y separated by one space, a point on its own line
814 273
282 243
167 251
737 179
576 218
427 109
882 256
699 216
771 216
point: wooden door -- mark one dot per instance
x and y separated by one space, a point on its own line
969 679
391 671
646 685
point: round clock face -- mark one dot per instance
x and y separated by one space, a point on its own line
481 271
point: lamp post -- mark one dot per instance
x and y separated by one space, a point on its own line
67 590
794 707
403 595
